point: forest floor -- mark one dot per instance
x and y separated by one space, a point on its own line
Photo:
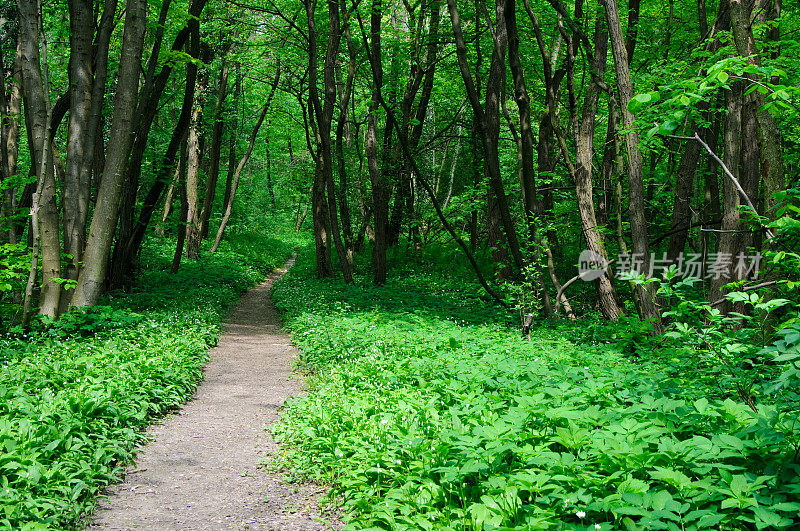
204 466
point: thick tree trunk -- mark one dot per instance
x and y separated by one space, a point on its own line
75 195
93 273
646 303
771 158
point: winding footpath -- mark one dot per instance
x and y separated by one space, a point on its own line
202 469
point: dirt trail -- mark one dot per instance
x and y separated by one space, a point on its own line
202 471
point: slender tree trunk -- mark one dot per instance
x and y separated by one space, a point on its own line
344 102
160 229
270 188
488 119
320 210
380 199
37 116
11 107
183 163
646 303
243 162
232 138
684 189
727 242
93 273
527 140
216 148
633 28
702 17
192 182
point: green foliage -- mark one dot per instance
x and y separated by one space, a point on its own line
76 394
425 413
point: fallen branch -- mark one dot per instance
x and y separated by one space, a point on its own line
727 172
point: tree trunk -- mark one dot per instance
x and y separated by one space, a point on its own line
183 163
646 303
584 186
243 162
344 102
320 210
771 159
192 183
216 148
684 189
146 111
487 119
75 196
87 93
380 200
93 273
11 110
233 137
37 116
727 242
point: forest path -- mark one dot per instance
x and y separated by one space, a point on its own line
202 470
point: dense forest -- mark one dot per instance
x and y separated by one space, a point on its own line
566 229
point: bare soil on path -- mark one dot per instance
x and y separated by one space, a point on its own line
202 469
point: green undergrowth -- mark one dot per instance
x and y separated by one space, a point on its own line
76 394
426 410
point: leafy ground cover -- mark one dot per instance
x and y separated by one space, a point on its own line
76 394
427 410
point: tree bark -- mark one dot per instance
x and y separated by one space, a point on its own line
75 202
37 116
320 210
380 199
93 273
584 185
771 159
487 119
216 148
646 303
183 163
681 208
727 242
192 182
